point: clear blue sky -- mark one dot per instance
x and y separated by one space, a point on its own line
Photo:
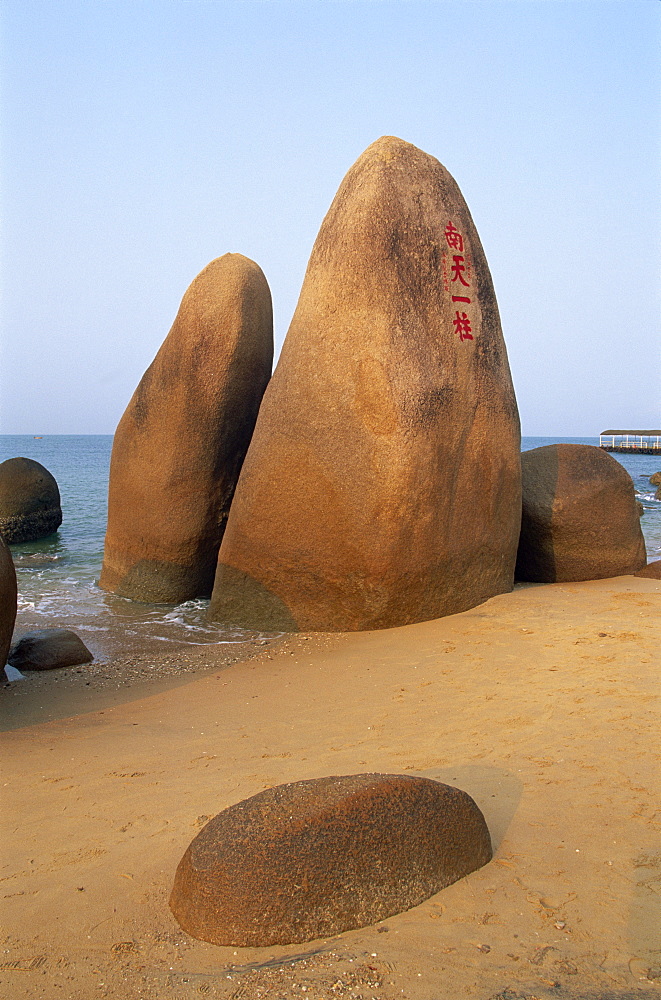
142 139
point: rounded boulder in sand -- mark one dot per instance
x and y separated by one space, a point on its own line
580 520
29 501
179 447
318 857
382 484
7 600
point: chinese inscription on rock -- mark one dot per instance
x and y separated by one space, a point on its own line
460 279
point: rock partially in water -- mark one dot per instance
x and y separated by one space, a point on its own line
48 648
314 858
655 479
382 484
7 600
180 444
29 501
580 520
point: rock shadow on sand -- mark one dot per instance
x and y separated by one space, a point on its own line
495 790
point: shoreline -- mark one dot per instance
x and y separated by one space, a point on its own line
541 703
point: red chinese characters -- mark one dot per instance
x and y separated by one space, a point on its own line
462 326
460 278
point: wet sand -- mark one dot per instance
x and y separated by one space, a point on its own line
543 704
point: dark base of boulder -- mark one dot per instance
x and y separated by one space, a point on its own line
651 572
30 527
48 649
155 581
316 858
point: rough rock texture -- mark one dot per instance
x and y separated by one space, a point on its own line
655 479
580 520
657 495
7 600
29 501
179 447
45 649
382 484
652 571
315 858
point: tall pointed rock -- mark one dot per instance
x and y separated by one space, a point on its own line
382 484
179 447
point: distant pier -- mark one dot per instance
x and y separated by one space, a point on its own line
631 442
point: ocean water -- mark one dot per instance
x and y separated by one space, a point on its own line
57 575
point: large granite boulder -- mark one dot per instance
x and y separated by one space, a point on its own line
7 600
382 484
580 520
29 501
315 858
48 648
655 479
179 447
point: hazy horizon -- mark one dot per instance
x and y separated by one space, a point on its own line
142 141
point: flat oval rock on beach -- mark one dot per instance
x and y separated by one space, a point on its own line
7 600
29 501
180 444
318 857
580 520
382 484
47 649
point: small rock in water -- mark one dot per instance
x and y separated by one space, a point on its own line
29 501
46 649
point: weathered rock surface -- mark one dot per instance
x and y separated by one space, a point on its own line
655 479
651 572
382 484
580 520
179 447
314 858
48 648
29 501
7 600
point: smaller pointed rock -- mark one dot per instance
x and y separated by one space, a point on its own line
179 447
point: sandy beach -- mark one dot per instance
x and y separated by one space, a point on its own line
543 704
